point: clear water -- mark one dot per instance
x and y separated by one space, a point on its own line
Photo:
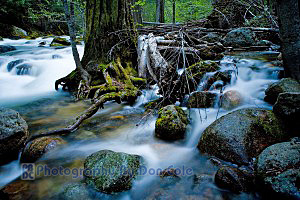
121 128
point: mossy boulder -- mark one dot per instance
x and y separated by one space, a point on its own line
111 172
234 179
35 149
171 123
282 86
202 100
6 48
231 99
13 134
278 170
59 41
287 107
242 135
241 37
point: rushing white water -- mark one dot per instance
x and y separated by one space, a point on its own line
250 78
35 71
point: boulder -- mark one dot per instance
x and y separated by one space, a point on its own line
212 37
234 179
241 37
13 134
58 41
282 86
287 107
171 123
111 172
278 170
75 191
242 135
43 43
35 149
6 48
225 77
231 99
23 69
14 63
202 100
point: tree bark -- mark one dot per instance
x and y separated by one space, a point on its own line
70 16
289 25
109 23
174 11
160 11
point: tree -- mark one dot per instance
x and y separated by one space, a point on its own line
289 24
160 11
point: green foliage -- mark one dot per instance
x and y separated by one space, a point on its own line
186 10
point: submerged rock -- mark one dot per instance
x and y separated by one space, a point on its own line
241 37
171 123
13 134
242 135
278 170
35 149
58 41
13 64
231 99
6 48
202 100
234 179
18 190
75 191
287 107
23 69
111 172
282 86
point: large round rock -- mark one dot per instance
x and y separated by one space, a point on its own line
282 86
35 149
278 169
231 99
13 134
171 123
241 37
241 135
111 172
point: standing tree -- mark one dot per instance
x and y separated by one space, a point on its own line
160 11
289 23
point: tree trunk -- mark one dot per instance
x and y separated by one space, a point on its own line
289 23
160 11
174 12
137 13
109 24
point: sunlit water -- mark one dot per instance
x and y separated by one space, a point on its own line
120 128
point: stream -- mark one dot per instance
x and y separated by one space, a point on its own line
27 77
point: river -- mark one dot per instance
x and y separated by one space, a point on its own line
29 89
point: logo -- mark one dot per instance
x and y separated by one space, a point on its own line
28 171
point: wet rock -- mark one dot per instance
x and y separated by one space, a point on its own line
55 56
85 135
1 39
225 77
287 107
241 37
75 191
282 86
58 41
278 170
18 190
43 43
23 69
264 43
242 135
14 63
121 170
212 37
35 149
13 134
202 100
231 99
171 123
233 179
6 48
